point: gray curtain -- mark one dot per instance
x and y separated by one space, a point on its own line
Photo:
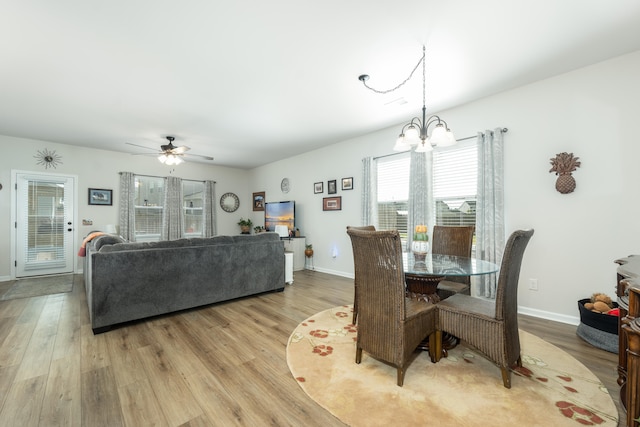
172 215
369 203
490 228
209 225
127 205
420 203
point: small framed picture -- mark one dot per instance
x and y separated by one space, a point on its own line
258 201
332 203
318 187
98 196
332 187
347 183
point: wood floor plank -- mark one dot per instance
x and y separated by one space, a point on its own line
178 403
219 365
101 405
128 367
15 344
63 393
37 359
140 406
23 404
94 348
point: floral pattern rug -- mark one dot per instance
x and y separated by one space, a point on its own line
464 389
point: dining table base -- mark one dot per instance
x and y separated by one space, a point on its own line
425 288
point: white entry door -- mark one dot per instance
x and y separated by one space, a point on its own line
45 227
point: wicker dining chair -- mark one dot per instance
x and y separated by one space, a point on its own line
458 241
491 326
390 325
355 279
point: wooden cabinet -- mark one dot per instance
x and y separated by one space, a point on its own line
296 245
628 292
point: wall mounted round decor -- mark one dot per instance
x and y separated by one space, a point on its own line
284 185
229 202
48 158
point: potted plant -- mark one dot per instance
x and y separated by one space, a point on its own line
245 225
308 251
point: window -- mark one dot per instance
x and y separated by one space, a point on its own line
455 184
393 193
149 200
192 192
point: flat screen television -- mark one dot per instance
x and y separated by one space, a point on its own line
280 213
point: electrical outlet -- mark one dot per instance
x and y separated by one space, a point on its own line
533 284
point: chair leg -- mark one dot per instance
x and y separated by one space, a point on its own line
435 346
355 307
358 354
400 377
519 362
506 376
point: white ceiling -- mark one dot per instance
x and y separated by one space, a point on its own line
252 81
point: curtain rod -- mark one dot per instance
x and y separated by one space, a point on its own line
163 177
504 130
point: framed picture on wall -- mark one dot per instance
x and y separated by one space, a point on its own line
332 203
98 196
258 201
318 187
347 183
332 187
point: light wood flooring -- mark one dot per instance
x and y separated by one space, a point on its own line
220 365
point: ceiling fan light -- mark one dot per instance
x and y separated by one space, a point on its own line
162 158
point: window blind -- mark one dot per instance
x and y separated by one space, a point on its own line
393 192
455 184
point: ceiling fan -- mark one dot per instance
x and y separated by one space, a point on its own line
170 154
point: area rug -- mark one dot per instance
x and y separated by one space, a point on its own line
464 389
39 286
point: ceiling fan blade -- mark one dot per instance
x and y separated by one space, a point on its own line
198 155
180 150
142 146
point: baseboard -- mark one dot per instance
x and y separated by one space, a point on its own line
562 318
334 272
5 278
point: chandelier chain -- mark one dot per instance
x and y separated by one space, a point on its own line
421 61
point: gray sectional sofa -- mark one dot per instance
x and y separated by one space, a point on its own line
131 281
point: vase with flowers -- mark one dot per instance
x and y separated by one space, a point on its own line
420 244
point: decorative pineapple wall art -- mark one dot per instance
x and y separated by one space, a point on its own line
563 164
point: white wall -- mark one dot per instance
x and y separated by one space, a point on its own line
591 112
100 169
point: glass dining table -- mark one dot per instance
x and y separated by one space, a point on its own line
422 276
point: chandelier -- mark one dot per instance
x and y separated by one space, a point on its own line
416 132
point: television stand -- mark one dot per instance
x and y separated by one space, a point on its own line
297 246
